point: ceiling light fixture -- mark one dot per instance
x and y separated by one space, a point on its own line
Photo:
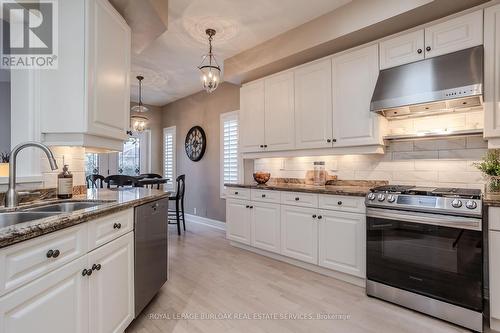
140 107
138 123
210 70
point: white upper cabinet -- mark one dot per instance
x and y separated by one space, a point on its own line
313 105
252 117
279 112
449 36
86 100
402 49
453 35
354 77
492 76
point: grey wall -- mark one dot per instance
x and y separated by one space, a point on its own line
4 116
154 116
203 177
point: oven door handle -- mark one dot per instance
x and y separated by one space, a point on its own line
458 222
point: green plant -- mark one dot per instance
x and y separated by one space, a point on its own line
490 166
4 157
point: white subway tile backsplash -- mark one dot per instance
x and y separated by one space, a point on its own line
417 176
476 142
416 155
463 154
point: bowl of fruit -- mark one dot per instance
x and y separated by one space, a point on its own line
261 177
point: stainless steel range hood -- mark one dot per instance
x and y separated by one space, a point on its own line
445 83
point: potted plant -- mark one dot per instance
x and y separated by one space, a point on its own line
4 164
490 166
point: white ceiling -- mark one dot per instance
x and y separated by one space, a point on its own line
169 63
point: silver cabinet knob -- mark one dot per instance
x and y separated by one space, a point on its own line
471 204
456 203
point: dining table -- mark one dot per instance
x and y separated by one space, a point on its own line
144 182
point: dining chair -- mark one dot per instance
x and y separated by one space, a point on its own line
94 181
120 180
153 176
176 215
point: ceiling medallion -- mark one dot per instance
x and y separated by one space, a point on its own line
210 70
140 107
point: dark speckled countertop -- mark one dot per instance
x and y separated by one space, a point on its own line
348 190
115 200
491 199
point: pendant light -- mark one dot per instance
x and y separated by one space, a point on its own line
210 70
138 123
140 107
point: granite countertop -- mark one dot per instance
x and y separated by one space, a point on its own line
115 200
348 190
491 200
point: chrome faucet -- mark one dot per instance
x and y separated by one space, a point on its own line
12 197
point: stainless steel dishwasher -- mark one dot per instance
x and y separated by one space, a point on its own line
151 252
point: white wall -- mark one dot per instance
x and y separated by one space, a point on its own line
4 116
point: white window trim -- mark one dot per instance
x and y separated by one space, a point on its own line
223 118
171 185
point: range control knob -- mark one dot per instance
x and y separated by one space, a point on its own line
456 203
371 196
471 204
381 197
391 198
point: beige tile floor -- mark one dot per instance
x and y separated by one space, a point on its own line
210 277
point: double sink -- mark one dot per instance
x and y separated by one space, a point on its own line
40 212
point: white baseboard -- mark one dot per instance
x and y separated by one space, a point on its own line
357 281
206 221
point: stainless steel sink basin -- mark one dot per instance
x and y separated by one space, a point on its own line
7 219
66 207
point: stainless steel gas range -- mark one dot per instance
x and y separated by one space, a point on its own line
425 251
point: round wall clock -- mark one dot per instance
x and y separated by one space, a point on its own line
196 143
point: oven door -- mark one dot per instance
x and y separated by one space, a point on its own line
437 256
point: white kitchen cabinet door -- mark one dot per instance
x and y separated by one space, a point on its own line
313 105
109 71
453 35
492 76
342 242
402 49
57 303
299 233
494 260
112 286
238 221
279 112
354 77
252 117
266 226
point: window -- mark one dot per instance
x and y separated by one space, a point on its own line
230 159
169 156
129 161
91 164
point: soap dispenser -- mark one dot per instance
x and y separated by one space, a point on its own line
65 184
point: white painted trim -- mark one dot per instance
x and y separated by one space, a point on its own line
356 150
172 129
206 221
357 281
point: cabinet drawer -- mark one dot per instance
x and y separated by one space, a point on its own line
26 261
238 193
494 218
300 199
107 228
342 203
266 196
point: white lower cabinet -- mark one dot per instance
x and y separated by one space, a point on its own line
342 242
266 226
112 286
79 296
299 233
239 229
58 302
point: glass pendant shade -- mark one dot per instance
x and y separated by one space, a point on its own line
210 71
138 123
140 107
